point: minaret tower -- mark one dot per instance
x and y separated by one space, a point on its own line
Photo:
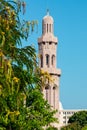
47 44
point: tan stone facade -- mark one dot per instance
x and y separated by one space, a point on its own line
47 44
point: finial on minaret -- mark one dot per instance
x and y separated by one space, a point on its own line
48 12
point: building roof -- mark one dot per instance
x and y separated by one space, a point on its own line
47 17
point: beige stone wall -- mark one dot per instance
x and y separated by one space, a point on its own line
47 45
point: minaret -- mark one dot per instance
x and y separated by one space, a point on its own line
47 44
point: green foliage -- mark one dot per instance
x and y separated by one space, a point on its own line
40 109
11 100
77 122
80 118
72 126
84 128
51 128
22 106
12 29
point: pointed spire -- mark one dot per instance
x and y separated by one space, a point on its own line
47 12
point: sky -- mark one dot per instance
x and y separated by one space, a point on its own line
70 26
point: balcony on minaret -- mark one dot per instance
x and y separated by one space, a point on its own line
53 71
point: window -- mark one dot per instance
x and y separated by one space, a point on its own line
64 122
64 112
64 117
50 43
47 60
47 28
47 92
53 60
43 43
50 27
43 27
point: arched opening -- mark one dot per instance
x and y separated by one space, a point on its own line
47 28
47 60
50 28
41 60
47 92
54 88
53 60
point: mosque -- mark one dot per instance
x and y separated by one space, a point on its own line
47 47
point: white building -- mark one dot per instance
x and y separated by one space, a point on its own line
47 44
65 114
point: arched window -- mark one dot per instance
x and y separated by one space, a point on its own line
47 92
47 28
43 28
50 27
41 60
47 60
53 60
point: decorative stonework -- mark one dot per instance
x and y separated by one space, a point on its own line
47 44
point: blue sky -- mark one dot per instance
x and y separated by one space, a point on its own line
70 26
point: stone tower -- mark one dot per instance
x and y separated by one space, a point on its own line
47 44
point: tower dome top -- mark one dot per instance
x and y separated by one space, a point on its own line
48 18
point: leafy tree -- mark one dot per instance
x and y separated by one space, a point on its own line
72 126
41 114
80 118
84 128
78 121
51 128
22 106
